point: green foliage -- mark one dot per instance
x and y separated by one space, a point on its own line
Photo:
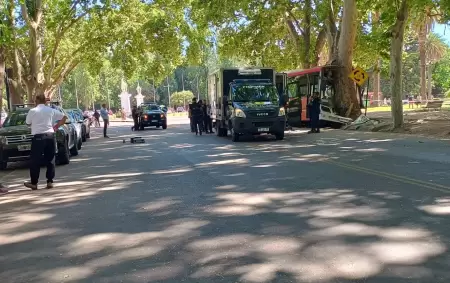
181 98
441 74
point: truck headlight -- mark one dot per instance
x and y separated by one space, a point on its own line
282 112
239 113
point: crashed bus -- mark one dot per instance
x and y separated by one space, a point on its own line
301 84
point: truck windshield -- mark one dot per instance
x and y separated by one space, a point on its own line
255 93
15 119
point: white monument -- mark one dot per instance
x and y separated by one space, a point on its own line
139 97
125 98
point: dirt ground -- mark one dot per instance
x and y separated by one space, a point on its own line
422 123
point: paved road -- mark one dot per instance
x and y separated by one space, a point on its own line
334 207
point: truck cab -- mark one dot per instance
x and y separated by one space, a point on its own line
247 102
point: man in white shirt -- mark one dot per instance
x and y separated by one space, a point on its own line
105 116
42 120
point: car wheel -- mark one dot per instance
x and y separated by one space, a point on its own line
234 136
164 126
79 144
63 157
74 149
83 136
279 136
3 165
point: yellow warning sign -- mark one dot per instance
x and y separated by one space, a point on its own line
359 76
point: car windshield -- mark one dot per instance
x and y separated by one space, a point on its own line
15 119
255 93
150 107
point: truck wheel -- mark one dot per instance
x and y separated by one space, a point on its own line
234 136
164 126
63 154
279 136
3 165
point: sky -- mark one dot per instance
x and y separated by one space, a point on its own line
443 31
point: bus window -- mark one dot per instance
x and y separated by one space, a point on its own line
303 86
314 83
292 90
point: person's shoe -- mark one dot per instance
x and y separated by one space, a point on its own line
49 185
30 186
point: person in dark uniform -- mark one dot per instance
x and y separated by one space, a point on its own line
314 112
191 119
135 115
43 146
197 117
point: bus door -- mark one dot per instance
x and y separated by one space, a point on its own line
294 105
280 83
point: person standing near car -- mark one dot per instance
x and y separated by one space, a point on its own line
42 120
105 117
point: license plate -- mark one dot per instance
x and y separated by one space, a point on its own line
154 121
24 147
263 129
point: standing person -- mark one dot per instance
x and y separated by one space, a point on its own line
191 119
105 117
42 120
208 120
135 115
197 117
314 112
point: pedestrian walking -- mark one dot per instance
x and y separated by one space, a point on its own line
191 118
96 119
105 117
197 117
42 120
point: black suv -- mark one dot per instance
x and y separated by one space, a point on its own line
152 116
15 138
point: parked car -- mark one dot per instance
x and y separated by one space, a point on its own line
85 122
78 128
15 139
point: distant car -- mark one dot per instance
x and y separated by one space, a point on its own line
85 122
15 139
152 116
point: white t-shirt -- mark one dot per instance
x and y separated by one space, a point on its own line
42 119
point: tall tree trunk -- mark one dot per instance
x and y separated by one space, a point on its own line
345 99
397 37
376 71
429 81
2 75
422 36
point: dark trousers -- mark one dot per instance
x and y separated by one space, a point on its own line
136 123
198 124
208 124
192 124
42 145
314 123
105 126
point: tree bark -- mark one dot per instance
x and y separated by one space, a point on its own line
377 67
397 37
422 37
2 75
345 100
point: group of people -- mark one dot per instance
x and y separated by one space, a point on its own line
200 117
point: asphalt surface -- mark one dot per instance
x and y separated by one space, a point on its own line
331 207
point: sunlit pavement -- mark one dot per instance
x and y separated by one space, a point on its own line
333 207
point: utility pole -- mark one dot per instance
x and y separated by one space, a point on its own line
168 89
76 92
